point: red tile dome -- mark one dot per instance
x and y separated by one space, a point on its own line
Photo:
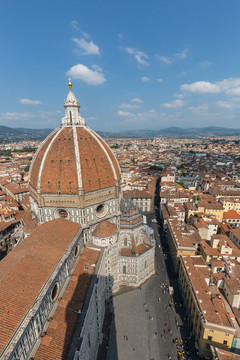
73 159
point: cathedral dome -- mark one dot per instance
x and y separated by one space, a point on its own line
73 168
73 159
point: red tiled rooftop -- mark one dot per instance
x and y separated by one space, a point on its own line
105 228
231 214
26 269
55 345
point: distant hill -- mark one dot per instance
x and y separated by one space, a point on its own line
175 132
8 134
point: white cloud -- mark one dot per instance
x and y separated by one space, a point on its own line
202 87
234 91
86 48
139 55
229 86
205 64
96 67
82 72
227 105
16 116
174 104
30 102
165 59
86 35
125 113
129 106
74 24
176 56
160 80
139 117
137 100
180 96
200 108
145 79
182 54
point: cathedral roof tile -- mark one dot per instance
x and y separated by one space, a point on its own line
26 269
105 228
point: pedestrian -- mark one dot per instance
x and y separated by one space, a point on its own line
126 338
166 324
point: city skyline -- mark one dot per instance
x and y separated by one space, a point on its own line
146 66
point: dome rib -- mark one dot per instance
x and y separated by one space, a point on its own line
77 155
110 153
106 153
37 159
44 158
59 174
96 168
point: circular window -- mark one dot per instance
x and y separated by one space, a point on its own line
76 251
55 292
63 213
101 210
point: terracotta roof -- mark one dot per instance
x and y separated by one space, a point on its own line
15 188
30 224
37 160
166 172
212 306
231 214
56 167
221 354
138 248
55 345
126 251
105 228
25 270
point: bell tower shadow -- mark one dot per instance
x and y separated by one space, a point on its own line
89 315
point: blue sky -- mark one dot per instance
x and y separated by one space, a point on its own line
134 64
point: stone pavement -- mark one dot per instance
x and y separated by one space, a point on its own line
140 322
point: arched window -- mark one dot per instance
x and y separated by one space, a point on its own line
125 241
124 269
